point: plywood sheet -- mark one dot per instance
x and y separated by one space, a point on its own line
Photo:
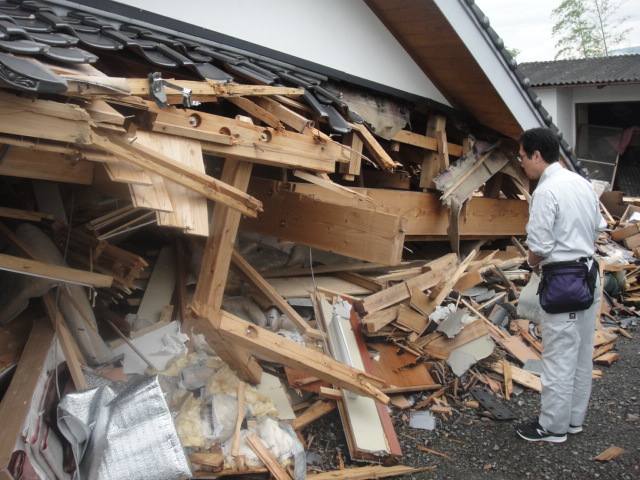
390 367
189 208
301 286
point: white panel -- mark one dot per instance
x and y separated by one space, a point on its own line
343 35
489 59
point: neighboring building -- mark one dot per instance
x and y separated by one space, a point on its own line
596 103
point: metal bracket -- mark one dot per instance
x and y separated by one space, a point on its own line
156 88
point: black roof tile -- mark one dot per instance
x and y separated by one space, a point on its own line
584 71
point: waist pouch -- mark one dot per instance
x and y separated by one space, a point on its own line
567 286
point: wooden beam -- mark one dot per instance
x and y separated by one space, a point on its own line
140 87
277 348
55 167
366 473
356 145
252 143
54 272
263 453
356 232
45 119
256 111
335 187
212 279
287 116
242 267
27 215
378 153
426 142
17 400
483 217
87 86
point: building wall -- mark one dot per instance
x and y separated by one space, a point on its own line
345 35
561 103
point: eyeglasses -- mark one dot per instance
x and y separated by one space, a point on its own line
521 158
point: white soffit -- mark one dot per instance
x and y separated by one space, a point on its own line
495 68
342 35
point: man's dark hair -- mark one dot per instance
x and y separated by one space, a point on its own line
543 140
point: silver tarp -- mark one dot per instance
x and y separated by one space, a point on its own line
123 435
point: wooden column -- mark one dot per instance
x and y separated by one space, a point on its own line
431 161
213 278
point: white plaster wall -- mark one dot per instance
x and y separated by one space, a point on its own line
341 34
610 93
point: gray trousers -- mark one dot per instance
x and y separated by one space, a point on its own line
567 366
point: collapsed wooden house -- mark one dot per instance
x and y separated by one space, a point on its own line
116 129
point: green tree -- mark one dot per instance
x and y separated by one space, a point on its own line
514 52
588 28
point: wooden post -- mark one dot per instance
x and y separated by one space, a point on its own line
431 160
213 277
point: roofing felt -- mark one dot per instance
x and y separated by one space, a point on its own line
584 71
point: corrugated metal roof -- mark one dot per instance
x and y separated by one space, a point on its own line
584 71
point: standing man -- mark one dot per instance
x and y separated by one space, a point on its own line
564 222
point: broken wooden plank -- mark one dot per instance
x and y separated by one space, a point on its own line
426 304
287 352
242 267
284 114
44 119
472 331
54 272
51 166
366 473
520 376
257 445
18 398
315 411
256 111
215 460
189 208
412 320
339 189
379 154
401 371
402 291
149 159
607 358
376 320
609 454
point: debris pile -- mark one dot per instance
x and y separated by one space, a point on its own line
194 269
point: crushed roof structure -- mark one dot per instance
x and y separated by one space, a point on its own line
123 127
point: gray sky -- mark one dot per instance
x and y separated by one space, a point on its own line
526 25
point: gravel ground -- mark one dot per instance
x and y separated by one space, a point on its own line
478 447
